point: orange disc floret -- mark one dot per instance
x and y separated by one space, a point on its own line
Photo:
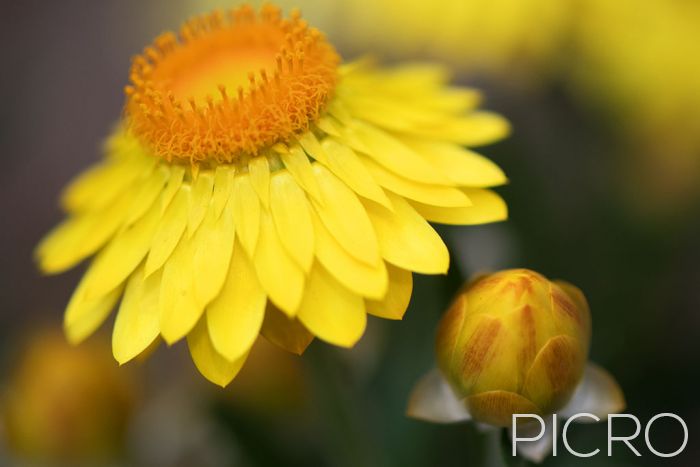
229 85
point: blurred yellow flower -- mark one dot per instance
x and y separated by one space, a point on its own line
66 403
256 185
640 62
511 343
474 36
496 36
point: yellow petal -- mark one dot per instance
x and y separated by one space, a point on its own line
84 315
170 230
79 237
223 187
450 100
396 156
177 174
393 113
285 332
202 189
259 173
101 186
554 374
406 239
280 148
147 193
461 166
246 213
338 110
312 146
330 311
83 188
149 351
208 361
280 276
179 310
394 304
345 218
122 255
346 165
487 207
64 247
476 129
234 318
407 77
328 125
497 407
213 245
297 163
290 212
431 194
360 277
136 325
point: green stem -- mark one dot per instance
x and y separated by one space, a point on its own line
498 453
350 440
493 449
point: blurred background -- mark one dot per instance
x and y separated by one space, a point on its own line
604 163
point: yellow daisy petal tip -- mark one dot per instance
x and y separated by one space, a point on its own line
394 303
120 356
350 343
330 311
170 337
73 337
136 326
211 364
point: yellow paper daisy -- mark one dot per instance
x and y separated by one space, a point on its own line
257 186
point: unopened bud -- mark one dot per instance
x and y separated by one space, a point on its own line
514 342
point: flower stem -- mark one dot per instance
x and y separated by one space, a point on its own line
340 419
498 453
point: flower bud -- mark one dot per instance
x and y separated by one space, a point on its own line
514 342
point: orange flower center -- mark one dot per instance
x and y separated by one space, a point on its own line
229 85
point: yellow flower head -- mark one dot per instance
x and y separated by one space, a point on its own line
514 342
257 186
66 405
